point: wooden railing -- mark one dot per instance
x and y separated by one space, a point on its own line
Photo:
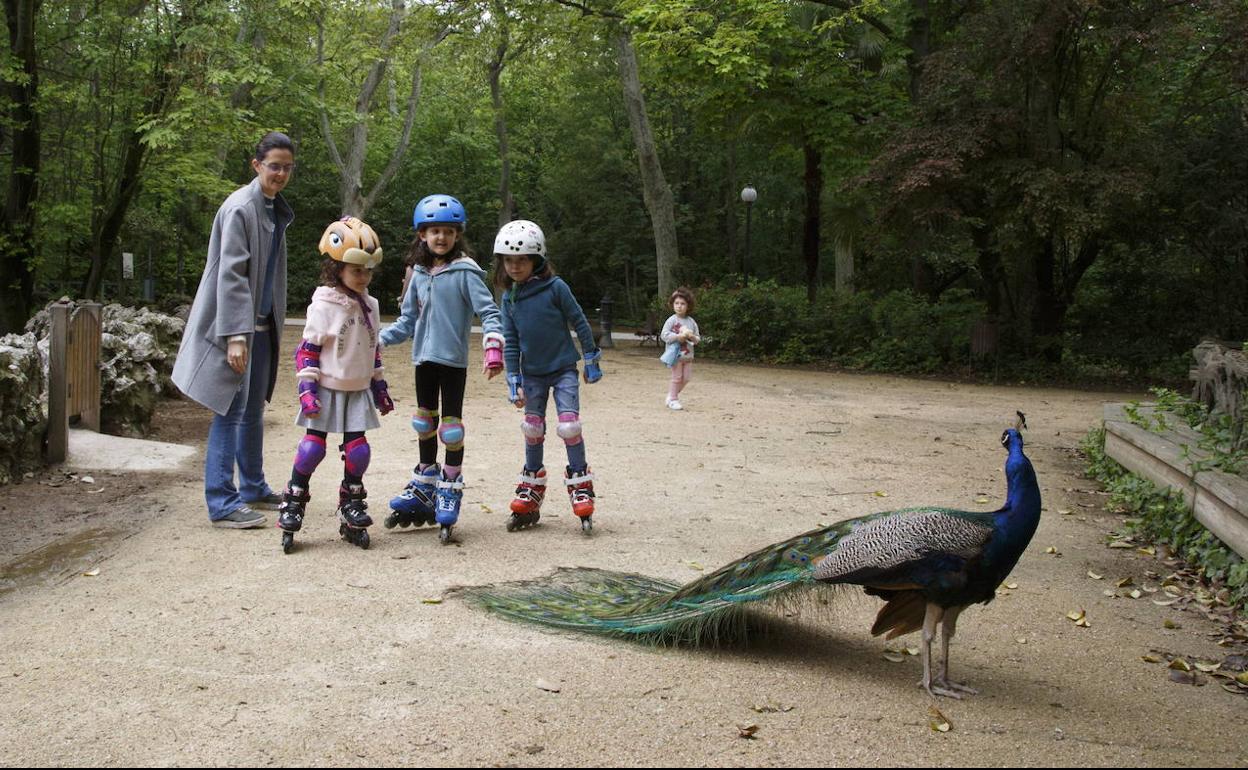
73 373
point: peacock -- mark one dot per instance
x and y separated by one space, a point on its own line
927 564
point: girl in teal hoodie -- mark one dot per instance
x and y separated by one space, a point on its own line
538 308
446 289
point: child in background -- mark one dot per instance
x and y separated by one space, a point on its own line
537 311
446 289
338 366
681 330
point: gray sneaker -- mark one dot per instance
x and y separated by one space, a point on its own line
269 502
240 518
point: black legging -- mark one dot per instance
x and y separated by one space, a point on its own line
449 381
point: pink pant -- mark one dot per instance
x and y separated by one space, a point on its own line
682 372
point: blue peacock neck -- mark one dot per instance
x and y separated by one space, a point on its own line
1021 513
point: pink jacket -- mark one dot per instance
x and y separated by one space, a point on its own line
348 341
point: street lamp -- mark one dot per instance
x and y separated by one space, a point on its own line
748 196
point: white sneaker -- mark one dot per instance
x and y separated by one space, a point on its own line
674 405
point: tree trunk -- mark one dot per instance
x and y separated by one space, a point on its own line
844 265
919 39
17 229
506 207
107 221
730 209
106 224
655 190
811 226
351 196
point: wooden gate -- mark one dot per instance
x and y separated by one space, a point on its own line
73 373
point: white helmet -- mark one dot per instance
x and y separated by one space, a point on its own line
520 237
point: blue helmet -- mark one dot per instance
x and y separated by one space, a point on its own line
439 210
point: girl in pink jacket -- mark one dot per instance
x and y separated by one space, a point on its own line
338 365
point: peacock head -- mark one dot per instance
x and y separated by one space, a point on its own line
1014 434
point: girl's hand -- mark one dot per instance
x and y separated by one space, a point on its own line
492 371
519 402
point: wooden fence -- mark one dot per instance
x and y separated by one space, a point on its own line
73 374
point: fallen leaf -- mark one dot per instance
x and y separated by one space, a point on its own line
1095 576
431 600
91 573
912 651
542 684
1135 594
696 565
1148 551
1208 668
1150 659
1011 586
1242 678
1050 549
1178 664
893 656
486 508
981 500
1064 511
87 480
1171 624
746 731
1021 640
1164 602
1077 615
938 722
1125 582
1083 623
878 493
1189 677
1121 544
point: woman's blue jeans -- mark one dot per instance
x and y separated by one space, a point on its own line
236 439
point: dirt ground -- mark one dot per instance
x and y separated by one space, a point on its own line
133 633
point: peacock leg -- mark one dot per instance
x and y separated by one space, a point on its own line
949 627
931 618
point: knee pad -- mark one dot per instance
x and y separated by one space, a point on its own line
533 428
425 423
452 433
309 454
570 427
356 455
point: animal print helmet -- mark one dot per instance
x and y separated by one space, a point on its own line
352 241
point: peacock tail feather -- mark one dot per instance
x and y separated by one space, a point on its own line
712 609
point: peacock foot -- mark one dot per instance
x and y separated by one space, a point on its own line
947 689
957 687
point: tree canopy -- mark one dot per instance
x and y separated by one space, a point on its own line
1079 168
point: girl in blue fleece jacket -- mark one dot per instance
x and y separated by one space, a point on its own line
446 289
538 308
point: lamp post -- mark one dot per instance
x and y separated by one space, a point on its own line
748 196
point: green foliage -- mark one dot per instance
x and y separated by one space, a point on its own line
1161 516
1220 438
1012 183
898 332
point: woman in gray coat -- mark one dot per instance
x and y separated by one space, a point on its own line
227 360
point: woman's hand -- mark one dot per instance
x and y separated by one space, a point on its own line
236 355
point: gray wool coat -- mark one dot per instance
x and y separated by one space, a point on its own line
228 298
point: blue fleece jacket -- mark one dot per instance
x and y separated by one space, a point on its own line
536 317
437 313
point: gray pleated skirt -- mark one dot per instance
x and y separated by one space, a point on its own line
343 411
